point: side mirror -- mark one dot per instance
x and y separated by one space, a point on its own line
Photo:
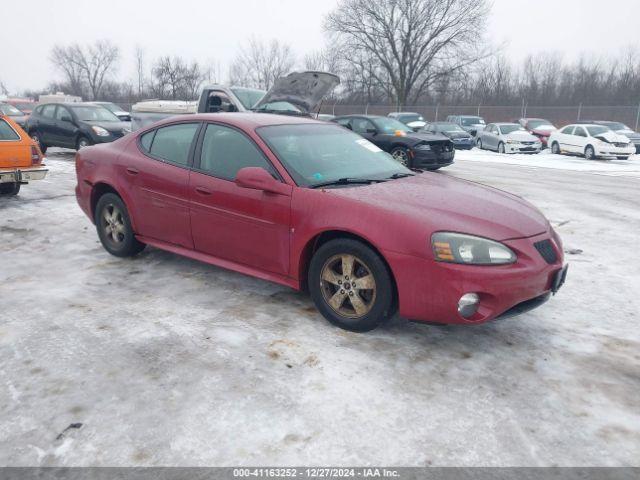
372 131
66 118
258 178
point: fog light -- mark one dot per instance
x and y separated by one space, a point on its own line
468 304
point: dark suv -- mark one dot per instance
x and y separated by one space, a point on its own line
74 125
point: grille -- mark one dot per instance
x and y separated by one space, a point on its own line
546 250
620 144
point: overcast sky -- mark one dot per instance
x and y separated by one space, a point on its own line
212 30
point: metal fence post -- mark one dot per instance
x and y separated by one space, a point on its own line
638 117
366 109
478 110
438 105
579 111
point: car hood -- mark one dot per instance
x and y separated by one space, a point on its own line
111 126
629 134
416 124
456 135
305 90
444 203
426 137
613 137
475 126
544 131
19 119
520 136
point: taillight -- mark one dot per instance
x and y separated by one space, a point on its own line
36 156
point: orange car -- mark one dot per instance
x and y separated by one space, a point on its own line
20 158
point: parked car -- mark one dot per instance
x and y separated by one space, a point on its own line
20 158
16 115
469 123
117 110
539 127
413 120
74 125
507 138
420 150
332 212
299 93
621 129
461 139
25 105
325 117
592 141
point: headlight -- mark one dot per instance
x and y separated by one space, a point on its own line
467 249
422 146
513 141
101 132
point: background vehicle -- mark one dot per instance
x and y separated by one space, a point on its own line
421 150
413 120
469 123
619 128
208 186
539 127
592 141
507 138
298 93
25 105
16 115
20 158
74 125
461 139
117 110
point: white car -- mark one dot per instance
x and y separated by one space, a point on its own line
413 120
592 141
507 138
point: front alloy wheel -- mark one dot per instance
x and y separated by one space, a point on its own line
401 155
589 153
348 286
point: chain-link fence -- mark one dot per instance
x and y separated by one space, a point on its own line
559 115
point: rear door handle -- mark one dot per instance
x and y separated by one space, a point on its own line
203 191
132 171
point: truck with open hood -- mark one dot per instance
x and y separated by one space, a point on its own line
299 93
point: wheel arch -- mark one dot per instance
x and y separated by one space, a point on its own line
320 239
98 190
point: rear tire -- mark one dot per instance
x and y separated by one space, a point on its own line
555 148
479 143
501 148
590 153
36 138
114 227
351 285
9 189
83 142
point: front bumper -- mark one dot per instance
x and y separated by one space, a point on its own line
22 175
522 148
429 291
430 159
464 143
612 150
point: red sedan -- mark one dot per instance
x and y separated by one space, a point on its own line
315 206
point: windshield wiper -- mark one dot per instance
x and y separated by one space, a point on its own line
346 181
395 176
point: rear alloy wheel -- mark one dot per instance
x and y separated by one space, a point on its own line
589 153
555 148
401 154
479 143
114 227
36 138
83 142
351 285
501 148
9 188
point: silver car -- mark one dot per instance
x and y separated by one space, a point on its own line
507 138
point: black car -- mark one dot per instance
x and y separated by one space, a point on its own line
462 139
74 125
619 128
420 150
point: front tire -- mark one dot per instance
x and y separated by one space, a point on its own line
351 285
9 189
501 148
401 154
479 143
555 148
114 227
83 142
590 153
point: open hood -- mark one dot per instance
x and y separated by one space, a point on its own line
305 90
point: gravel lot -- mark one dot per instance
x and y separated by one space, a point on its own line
161 360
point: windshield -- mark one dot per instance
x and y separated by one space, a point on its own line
10 110
26 107
112 107
593 131
617 126
390 125
540 123
504 129
448 127
468 121
414 117
249 97
316 153
94 114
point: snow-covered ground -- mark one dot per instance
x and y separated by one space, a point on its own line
160 360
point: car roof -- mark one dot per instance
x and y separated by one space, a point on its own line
500 124
356 115
247 120
443 123
70 104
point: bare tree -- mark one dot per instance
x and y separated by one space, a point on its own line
3 89
413 42
258 65
91 64
140 69
173 78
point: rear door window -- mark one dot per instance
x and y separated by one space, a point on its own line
580 132
567 130
7 133
49 111
173 143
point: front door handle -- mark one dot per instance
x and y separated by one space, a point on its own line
203 191
132 171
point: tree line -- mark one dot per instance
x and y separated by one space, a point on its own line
391 52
